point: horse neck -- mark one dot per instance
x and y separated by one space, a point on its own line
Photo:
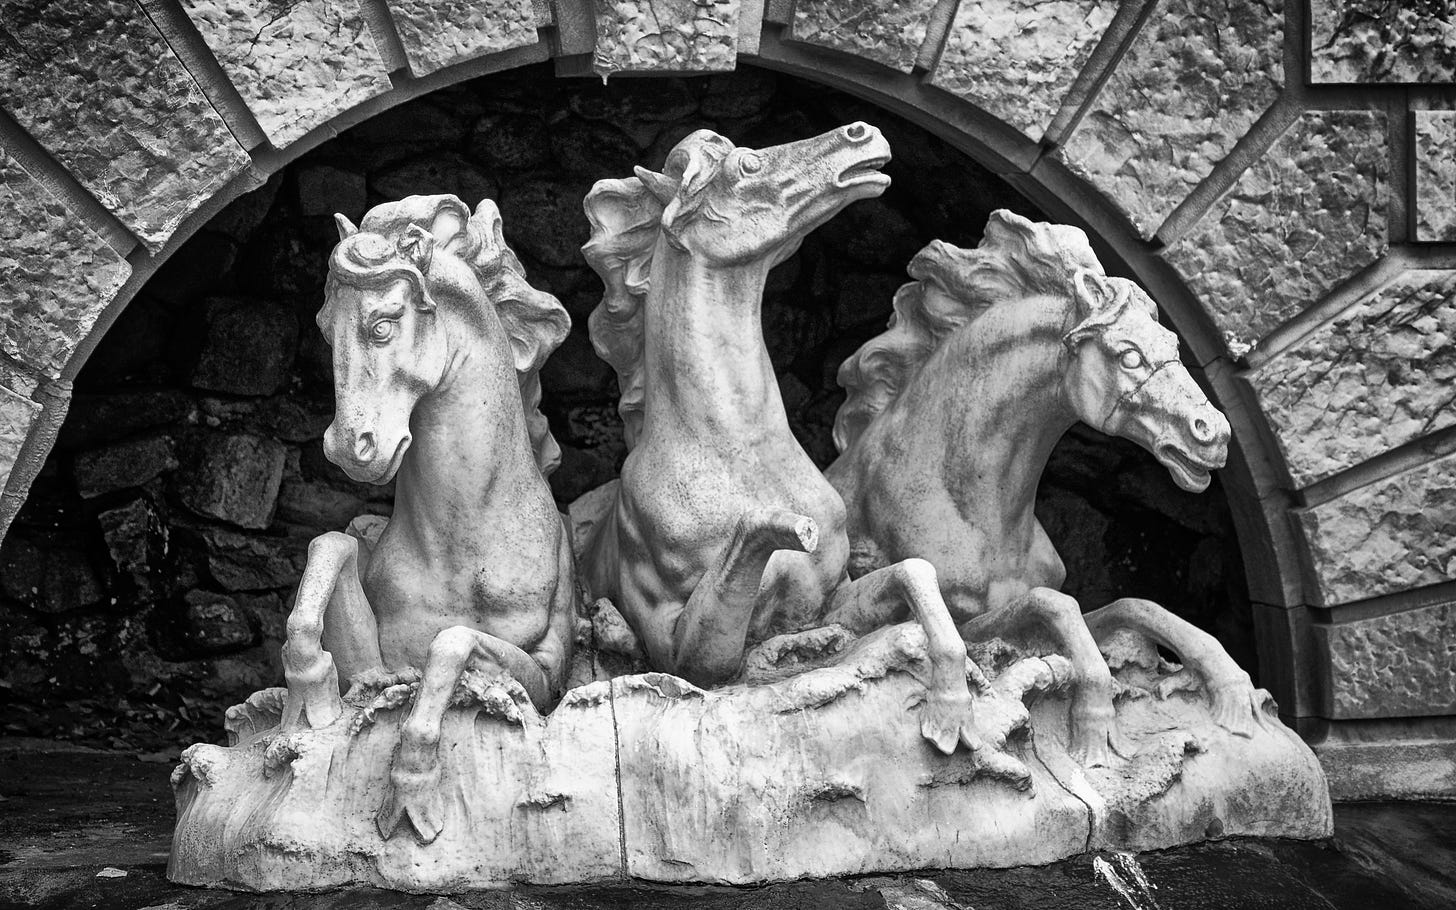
993 394
470 446
706 360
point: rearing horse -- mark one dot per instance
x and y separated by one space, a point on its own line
724 532
991 355
437 342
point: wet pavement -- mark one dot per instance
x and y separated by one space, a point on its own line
85 829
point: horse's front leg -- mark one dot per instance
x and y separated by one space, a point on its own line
414 776
1237 706
331 621
710 634
877 599
1094 717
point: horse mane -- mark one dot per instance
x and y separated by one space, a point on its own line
626 218
1016 258
535 322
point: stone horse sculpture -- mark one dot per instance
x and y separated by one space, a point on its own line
437 342
991 355
724 532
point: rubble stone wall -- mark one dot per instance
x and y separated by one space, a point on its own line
1279 176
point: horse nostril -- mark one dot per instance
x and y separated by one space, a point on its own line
1202 431
856 131
364 447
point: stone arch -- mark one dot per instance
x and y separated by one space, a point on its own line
1300 236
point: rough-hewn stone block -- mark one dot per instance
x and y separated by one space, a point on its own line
1403 665
884 31
1308 214
1193 83
1435 175
440 33
96 84
1381 41
56 274
1389 536
297 63
17 414
1018 58
666 36
1377 377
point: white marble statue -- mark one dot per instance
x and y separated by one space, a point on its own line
437 342
804 635
991 356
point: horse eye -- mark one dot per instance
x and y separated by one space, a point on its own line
750 164
383 330
1131 359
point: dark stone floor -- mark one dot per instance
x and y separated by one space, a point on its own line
83 829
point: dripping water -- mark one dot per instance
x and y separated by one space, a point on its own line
1128 879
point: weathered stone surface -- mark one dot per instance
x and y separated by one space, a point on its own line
1377 377
1305 216
437 173
233 478
1435 175
96 84
297 63
317 505
1193 83
17 414
666 36
136 540
885 31
247 346
126 464
1018 58
251 562
1402 665
96 419
324 189
544 220
437 34
215 624
47 578
1389 536
511 140
56 274
1382 41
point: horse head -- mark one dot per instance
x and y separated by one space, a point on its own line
1125 379
731 205
388 280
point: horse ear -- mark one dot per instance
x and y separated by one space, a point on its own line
1092 290
417 245
346 227
663 187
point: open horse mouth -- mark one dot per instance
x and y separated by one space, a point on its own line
1188 472
864 171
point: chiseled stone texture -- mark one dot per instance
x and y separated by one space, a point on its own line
440 33
1382 41
885 31
17 414
666 36
1018 58
1195 80
1389 536
95 83
296 62
56 274
1308 214
1402 665
1435 175
1379 376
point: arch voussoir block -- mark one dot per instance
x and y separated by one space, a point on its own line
1018 59
1308 214
1192 84
97 86
297 66
888 32
440 33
